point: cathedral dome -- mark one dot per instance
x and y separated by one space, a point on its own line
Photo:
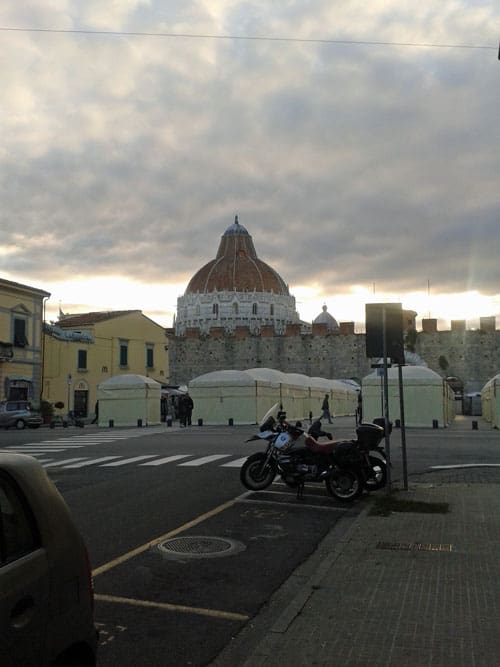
326 318
236 268
236 289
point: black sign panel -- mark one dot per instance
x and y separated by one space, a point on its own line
393 331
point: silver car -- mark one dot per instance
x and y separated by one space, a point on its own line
18 414
46 593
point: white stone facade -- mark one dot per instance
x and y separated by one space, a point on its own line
228 310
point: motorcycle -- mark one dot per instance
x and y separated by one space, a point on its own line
336 464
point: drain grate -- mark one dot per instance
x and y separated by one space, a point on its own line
414 546
196 546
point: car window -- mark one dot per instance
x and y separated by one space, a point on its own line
18 534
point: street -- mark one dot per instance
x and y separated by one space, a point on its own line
183 556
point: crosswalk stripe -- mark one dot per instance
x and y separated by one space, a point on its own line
63 462
32 450
237 463
125 461
167 459
205 459
92 462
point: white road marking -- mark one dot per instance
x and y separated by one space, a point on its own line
204 459
167 459
237 463
466 465
92 462
125 461
63 462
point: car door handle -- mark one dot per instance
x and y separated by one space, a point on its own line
21 611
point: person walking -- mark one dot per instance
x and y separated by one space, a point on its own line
189 408
186 406
325 407
96 410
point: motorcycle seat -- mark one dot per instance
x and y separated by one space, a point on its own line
320 447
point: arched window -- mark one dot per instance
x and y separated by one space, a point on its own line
215 309
197 310
235 308
271 310
254 309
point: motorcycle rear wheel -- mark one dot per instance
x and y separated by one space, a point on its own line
256 474
379 478
345 485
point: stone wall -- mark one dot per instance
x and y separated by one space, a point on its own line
472 356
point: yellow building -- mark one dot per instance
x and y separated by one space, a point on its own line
81 351
21 318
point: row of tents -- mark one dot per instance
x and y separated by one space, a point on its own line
243 397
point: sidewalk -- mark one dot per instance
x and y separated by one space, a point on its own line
409 589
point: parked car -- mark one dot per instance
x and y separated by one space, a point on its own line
18 414
46 592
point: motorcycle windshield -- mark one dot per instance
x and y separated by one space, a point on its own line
271 416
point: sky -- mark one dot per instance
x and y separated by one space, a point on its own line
358 143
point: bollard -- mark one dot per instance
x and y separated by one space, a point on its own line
169 421
111 423
435 423
474 425
230 421
200 422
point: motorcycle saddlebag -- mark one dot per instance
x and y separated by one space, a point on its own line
369 435
347 453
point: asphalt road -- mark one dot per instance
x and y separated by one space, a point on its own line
183 556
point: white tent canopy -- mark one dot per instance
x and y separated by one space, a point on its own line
428 399
490 401
129 400
246 395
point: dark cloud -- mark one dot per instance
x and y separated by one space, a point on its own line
349 165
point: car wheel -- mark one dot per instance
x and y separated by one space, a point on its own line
20 424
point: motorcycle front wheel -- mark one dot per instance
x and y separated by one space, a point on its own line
344 485
378 478
257 474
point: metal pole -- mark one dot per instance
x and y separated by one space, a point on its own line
403 428
386 402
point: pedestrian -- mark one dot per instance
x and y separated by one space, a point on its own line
96 410
189 408
325 407
359 411
186 406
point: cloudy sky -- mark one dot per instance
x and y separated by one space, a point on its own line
357 142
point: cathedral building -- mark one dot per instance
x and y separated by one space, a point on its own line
236 289
237 313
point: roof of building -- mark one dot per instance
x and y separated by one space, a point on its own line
25 288
325 318
236 267
86 319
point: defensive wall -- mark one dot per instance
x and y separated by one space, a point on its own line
472 356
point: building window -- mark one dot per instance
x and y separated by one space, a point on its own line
254 309
82 360
149 356
20 339
123 353
235 308
215 309
271 310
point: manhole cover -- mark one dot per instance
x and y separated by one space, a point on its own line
196 546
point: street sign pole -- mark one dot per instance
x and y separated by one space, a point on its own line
386 401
